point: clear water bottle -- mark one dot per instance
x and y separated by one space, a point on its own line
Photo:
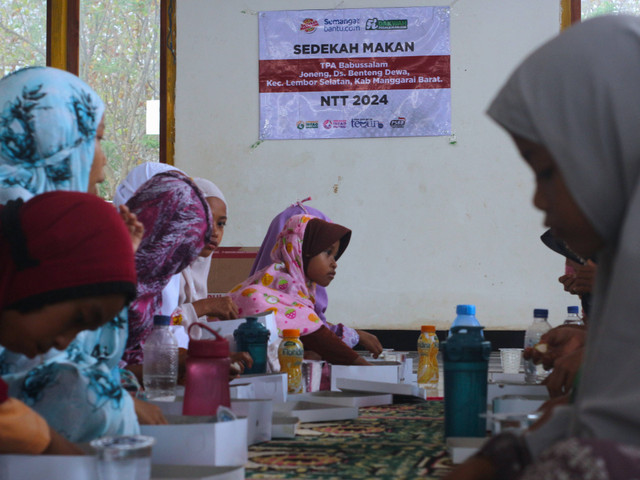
465 317
573 316
160 366
539 327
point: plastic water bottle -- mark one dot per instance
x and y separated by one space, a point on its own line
539 327
465 317
291 354
466 363
573 316
160 366
428 347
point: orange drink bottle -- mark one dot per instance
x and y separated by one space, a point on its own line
290 354
428 345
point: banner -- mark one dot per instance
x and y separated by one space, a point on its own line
354 73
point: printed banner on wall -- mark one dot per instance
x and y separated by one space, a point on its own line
353 73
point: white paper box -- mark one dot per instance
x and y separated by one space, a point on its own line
258 413
242 391
169 408
348 399
517 403
501 389
195 472
314 412
193 440
48 467
266 385
284 427
347 384
381 372
461 448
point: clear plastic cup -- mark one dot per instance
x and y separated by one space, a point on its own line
510 358
126 457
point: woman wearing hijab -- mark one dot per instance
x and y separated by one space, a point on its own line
288 286
177 223
56 280
350 336
50 132
194 303
51 124
572 108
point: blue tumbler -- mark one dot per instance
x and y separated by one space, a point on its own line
466 362
253 337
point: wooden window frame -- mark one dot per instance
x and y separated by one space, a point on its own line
63 50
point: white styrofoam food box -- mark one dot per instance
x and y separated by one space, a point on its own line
461 448
242 390
380 372
48 467
501 389
313 411
258 413
193 440
348 399
517 403
284 426
196 472
265 385
348 385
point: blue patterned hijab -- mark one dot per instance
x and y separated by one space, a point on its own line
48 122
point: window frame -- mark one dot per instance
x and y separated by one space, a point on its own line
63 51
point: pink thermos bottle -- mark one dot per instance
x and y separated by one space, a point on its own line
207 375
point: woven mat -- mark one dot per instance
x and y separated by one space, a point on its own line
386 442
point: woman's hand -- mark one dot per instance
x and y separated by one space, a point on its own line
560 380
560 341
239 361
370 342
148 414
222 308
135 226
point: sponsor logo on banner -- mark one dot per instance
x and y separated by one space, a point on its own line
365 123
398 122
311 124
329 124
309 25
375 24
300 125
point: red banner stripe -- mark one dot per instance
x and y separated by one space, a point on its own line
346 74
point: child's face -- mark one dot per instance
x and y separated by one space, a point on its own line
56 325
219 212
322 268
552 196
96 174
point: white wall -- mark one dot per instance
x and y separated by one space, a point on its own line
434 223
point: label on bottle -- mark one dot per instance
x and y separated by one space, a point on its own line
428 374
291 354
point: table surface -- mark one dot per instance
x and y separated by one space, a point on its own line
385 442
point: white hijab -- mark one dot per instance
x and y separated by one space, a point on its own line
136 178
193 283
579 96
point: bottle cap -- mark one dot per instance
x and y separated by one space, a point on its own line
573 309
466 310
290 332
163 320
251 331
428 328
540 313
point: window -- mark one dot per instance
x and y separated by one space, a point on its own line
592 8
23 34
120 58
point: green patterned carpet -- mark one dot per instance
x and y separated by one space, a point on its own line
387 442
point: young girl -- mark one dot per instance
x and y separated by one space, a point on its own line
572 109
177 222
194 305
306 255
350 336
59 276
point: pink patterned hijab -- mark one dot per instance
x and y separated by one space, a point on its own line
282 287
177 222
